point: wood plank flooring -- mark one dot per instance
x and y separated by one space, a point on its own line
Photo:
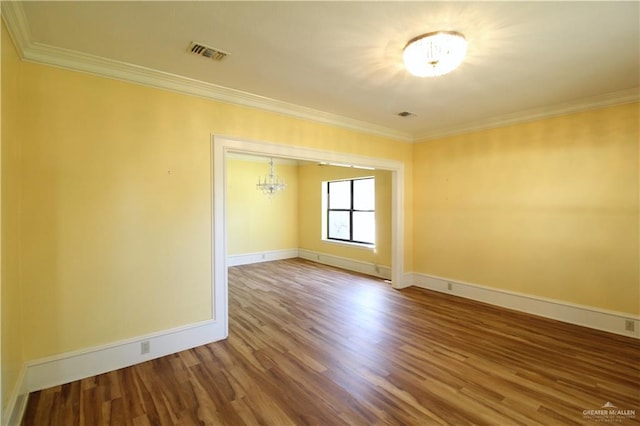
313 345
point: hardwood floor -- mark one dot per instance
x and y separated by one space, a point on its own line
313 345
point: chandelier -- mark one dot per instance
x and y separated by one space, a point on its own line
272 183
434 54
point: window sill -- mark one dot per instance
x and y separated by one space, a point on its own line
350 244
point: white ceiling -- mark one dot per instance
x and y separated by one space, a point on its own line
524 59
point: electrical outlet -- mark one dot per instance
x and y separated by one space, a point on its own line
145 347
449 286
629 325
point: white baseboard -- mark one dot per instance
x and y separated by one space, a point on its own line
17 404
345 263
67 367
586 316
406 280
267 256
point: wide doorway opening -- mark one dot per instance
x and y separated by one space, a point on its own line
226 147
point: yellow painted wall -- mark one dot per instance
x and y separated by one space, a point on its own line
547 208
256 223
115 246
12 328
106 206
116 213
310 206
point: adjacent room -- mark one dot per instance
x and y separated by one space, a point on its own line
319 213
294 221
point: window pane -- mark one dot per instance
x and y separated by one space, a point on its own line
364 194
340 195
364 227
339 225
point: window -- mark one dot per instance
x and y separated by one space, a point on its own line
351 210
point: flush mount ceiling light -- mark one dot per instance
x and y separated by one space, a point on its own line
434 54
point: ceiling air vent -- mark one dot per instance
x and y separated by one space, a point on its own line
207 52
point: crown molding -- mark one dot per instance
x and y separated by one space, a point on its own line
572 107
16 21
17 24
77 61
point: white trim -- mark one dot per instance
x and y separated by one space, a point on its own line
261 159
265 256
351 244
586 316
17 404
224 144
577 105
397 227
17 25
346 263
219 272
77 61
67 367
16 21
406 281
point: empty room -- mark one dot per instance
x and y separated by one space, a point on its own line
323 213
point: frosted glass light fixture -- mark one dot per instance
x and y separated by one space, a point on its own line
434 54
272 183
